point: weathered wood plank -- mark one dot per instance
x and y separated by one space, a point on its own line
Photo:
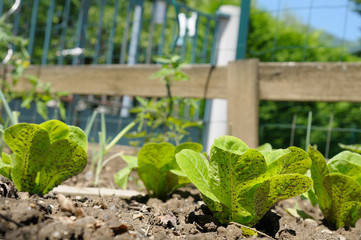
310 81
101 192
130 80
243 100
277 81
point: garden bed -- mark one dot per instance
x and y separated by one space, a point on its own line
182 216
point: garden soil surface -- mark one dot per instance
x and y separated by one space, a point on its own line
182 215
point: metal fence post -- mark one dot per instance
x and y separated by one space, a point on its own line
81 29
34 16
136 30
243 29
133 50
225 52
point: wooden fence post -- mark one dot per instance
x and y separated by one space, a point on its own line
243 99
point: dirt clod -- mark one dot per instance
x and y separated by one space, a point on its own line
7 188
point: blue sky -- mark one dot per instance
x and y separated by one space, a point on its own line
333 16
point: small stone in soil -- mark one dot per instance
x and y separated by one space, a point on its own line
101 204
287 233
341 237
233 232
138 215
24 195
309 223
56 235
81 198
168 220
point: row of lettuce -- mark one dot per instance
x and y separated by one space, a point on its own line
237 183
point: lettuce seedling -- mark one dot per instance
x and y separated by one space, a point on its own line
122 176
157 168
337 187
239 184
43 155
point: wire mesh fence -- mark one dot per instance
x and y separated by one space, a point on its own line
307 31
112 31
68 32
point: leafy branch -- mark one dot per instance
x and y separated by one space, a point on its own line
158 114
17 60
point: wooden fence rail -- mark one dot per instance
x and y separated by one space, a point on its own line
243 83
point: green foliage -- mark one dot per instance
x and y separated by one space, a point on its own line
337 187
156 119
43 155
287 39
155 126
122 176
40 93
240 184
157 168
276 119
170 71
104 147
8 39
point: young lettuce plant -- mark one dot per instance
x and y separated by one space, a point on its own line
337 187
353 148
43 155
157 168
239 184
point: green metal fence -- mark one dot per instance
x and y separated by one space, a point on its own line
69 32
112 31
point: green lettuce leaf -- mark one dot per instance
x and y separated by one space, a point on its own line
77 135
66 158
157 168
337 187
354 148
347 168
154 160
30 144
345 193
236 183
44 155
196 168
318 171
5 165
277 188
121 177
56 130
295 161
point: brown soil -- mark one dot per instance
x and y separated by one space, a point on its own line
182 216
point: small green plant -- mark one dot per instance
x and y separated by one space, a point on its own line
337 187
157 168
43 155
239 184
157 119
97 162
